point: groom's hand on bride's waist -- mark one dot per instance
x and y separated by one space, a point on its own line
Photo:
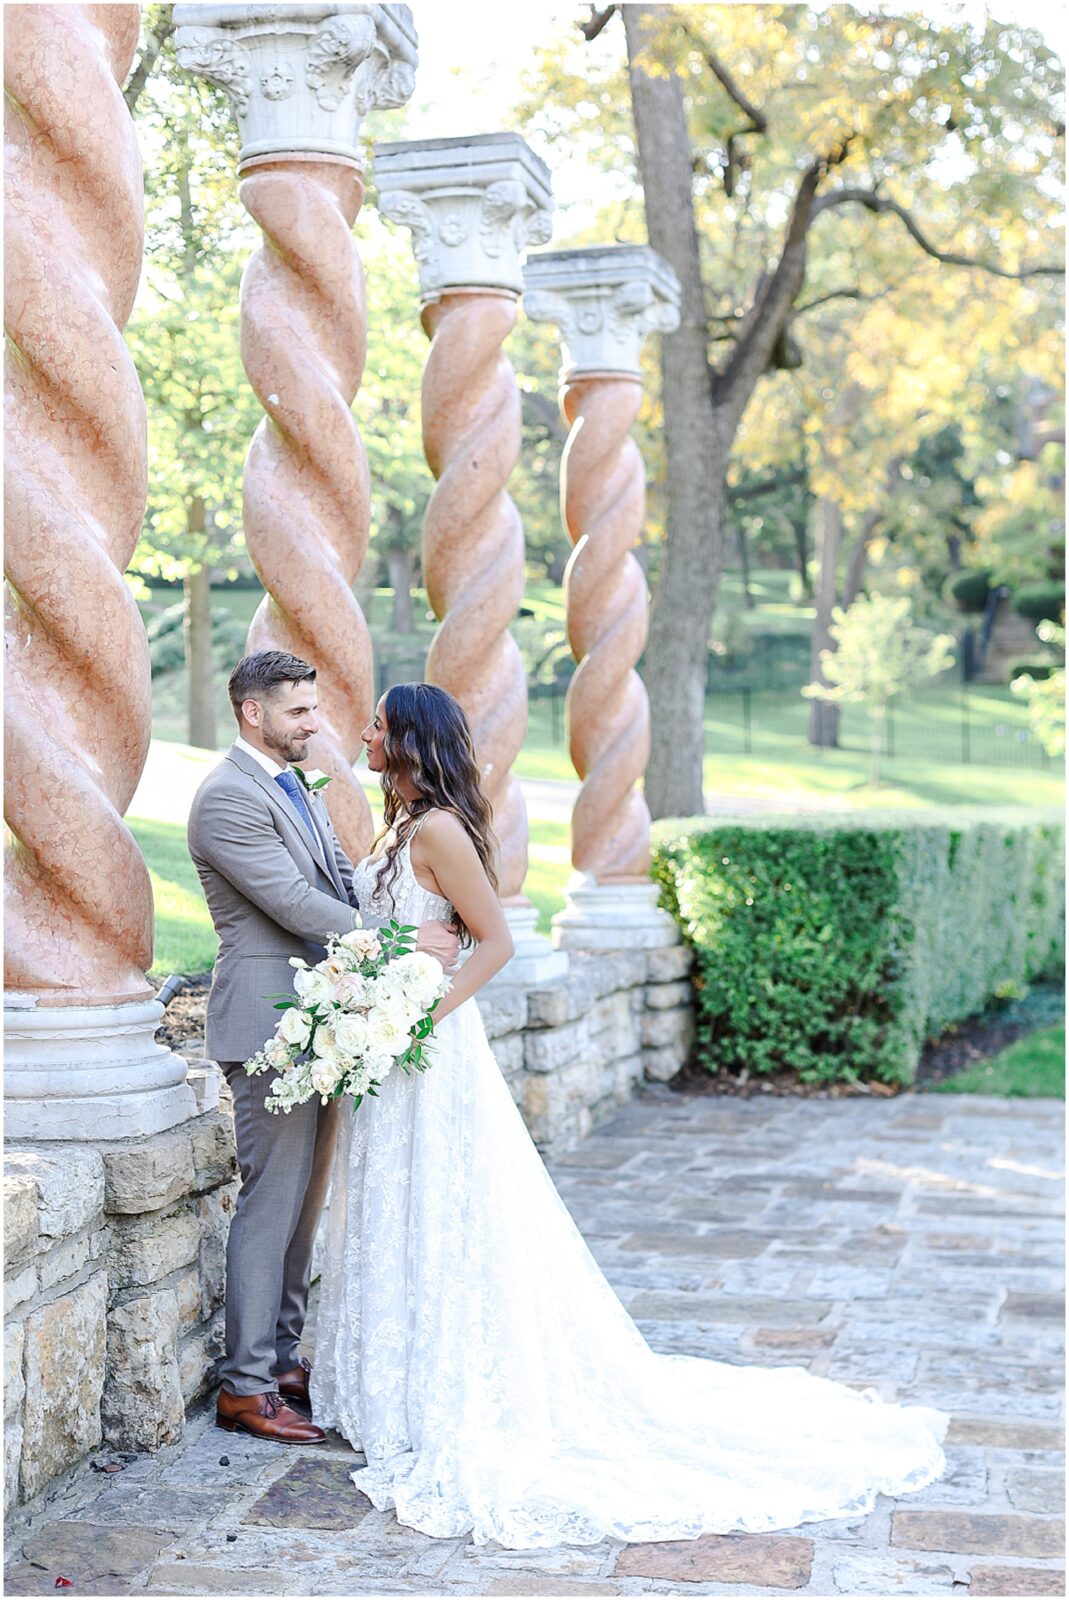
439 940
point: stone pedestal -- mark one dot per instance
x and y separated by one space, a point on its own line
534 960
78 1072
612 916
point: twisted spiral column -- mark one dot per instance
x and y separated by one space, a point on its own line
603 497
307 496
473 558
78 900
605 300
300 79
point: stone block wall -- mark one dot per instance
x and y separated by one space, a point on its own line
113 1289
572 1050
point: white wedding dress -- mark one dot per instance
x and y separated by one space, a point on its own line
470 1346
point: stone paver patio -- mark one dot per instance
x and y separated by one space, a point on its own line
913 1245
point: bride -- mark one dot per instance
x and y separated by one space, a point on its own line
468 1342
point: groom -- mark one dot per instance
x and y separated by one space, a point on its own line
278 884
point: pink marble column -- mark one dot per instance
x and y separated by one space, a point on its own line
605 300
473 205
79 1011
300 77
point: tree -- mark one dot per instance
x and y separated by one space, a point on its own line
183 336
755 124
878 654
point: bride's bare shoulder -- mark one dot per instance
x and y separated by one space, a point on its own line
442 829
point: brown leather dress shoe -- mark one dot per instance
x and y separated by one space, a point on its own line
266 1416
293 1385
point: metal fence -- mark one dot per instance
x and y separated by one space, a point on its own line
972 724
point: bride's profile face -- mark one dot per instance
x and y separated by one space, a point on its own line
372 738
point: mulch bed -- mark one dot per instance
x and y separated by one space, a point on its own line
183 1020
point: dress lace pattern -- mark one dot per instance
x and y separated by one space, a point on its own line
470 1345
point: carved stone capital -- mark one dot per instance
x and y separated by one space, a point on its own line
474 207
301 77
604 300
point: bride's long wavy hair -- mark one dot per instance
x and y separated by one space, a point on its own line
428 741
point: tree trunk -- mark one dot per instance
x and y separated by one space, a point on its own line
703 411
697 460
744 563
399 569
197 631
801 546
824 715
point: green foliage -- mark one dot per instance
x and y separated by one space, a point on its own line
166 640
969 590
1041 602
184 331
879 654
834 948
1032 1067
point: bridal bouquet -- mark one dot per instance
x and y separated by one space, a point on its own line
361 1011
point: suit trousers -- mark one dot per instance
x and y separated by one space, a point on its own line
285 1161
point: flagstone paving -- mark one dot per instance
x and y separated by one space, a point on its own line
911 1245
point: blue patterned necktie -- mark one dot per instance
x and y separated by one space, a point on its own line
291 784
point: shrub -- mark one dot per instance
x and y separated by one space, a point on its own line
1032 668
969 590
833 947
1040 602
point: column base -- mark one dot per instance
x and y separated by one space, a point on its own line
90 1072
535 960
612 916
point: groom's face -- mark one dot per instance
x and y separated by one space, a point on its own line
285 720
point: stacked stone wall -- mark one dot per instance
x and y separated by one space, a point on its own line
113 1289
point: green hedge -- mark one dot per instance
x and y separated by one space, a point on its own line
1041 602
969 590
834 947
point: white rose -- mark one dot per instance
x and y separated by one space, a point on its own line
294 1027
351 1034
387 1032
312 987
421 975
323 1042
364 942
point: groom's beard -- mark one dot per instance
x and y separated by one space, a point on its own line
286 748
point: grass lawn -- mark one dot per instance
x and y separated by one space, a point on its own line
1034 1066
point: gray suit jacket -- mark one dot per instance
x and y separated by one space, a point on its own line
273 892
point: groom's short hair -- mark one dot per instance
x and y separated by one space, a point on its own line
257 676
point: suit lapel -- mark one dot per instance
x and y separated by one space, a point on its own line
278 798
317 805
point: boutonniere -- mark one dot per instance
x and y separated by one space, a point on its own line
313 780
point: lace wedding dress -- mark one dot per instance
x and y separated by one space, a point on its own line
469 1344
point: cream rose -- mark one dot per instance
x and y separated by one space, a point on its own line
363 942
327 1073
294 1027
277 1053
352 990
